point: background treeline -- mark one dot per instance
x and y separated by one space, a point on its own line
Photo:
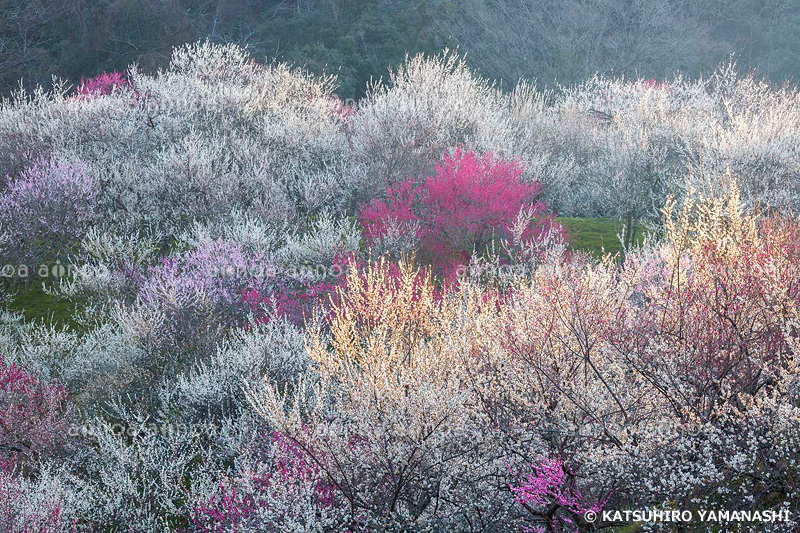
549 40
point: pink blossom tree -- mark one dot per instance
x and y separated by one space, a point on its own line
550 493
105 83
468 203
32 419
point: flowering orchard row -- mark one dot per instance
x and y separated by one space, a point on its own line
289 313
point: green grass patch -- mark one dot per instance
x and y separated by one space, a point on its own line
37 305
594 235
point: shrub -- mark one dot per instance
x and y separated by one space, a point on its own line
199 294
431 104
388 421
287 493
210 389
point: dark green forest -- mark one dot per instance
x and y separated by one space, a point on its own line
552 41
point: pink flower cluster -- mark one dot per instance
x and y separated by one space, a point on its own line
654 84
466 204
343 109
296 305
31 414
550 492
104 84
217 268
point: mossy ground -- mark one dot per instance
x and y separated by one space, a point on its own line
37 305
595 235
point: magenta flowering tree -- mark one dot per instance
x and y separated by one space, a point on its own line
48 209
105 83
469 202
550 493
32 414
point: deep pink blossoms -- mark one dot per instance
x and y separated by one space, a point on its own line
467 203
104 84
550 488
